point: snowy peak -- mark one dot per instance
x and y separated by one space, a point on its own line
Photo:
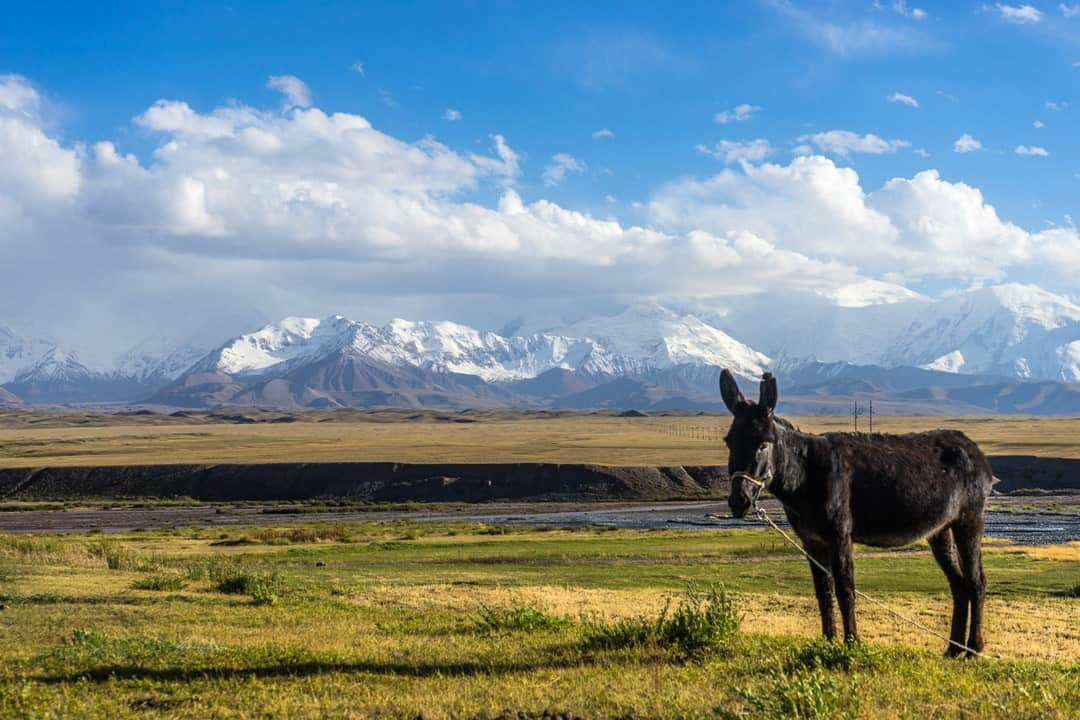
640 340
659 338
55 366
17 354
157 361
288 341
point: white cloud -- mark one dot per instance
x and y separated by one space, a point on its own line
602 133
966 143
921 152
845 142
1032 150
1056 105
561 165
305 210
358 67
1019 14
731 151
909 229
900 7
1069 11
451 114
947 96
293 88
1038 124
899 97
739 113
855 37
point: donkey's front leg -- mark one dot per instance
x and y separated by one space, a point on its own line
823 585
843 566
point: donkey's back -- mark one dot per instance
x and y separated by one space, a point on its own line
903 488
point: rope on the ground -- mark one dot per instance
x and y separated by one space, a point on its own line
762 515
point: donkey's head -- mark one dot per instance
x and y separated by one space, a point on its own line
750 441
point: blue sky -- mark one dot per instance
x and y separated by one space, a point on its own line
548 77
633 100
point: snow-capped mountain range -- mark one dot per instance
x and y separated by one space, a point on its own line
646 355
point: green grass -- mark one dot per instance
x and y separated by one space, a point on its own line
446 620
159 583
706 619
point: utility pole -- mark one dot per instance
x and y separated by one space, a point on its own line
871 416
856 416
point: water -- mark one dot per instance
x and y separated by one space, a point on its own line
1028 528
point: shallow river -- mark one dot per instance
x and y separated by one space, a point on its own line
1023 526
1030 528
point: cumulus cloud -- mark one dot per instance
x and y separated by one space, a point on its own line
1019 14
899 97
1032 150
845 142
303 210
294 90
561 165
731 151
739 113
1038 124
358 67
451 115
602 133
966 143
909 229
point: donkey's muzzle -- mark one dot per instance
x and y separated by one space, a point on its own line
740 501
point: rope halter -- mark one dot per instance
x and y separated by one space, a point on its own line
760 482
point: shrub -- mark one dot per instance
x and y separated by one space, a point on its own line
1073 591
262 587
706 619
518 617
159 582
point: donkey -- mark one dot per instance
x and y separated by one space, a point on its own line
875 489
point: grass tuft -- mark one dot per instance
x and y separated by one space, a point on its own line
160 583
516 618
707 618
823 654
264 588
806 695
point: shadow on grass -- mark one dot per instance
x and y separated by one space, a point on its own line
309 668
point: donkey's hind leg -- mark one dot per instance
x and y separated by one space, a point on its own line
968 533
945 553
823 587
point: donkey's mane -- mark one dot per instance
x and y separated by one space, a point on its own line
787 424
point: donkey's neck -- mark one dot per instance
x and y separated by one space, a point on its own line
789 459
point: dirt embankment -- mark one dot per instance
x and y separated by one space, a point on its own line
1029 472
435 482
364 481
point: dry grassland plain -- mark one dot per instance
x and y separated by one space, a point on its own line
459 620
33 440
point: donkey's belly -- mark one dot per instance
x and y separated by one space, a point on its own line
890 517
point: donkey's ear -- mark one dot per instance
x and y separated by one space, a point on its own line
769 394
729 390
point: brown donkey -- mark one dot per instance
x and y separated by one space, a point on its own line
875 489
